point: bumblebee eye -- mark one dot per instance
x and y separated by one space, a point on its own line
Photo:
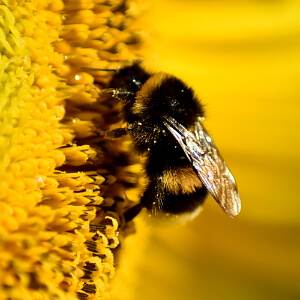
133 80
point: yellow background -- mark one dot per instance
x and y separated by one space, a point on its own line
243 59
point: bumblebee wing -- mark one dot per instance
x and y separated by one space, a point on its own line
208 164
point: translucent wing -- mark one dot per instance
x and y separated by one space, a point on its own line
208 164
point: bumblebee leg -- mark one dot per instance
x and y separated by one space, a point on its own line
132 212
116 92
116 133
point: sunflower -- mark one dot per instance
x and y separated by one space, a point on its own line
62 185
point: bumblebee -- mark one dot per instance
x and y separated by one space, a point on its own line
164 119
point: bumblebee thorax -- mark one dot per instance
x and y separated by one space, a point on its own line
165 95
144 97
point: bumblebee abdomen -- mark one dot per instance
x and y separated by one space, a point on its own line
174 186
182 180
156 199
